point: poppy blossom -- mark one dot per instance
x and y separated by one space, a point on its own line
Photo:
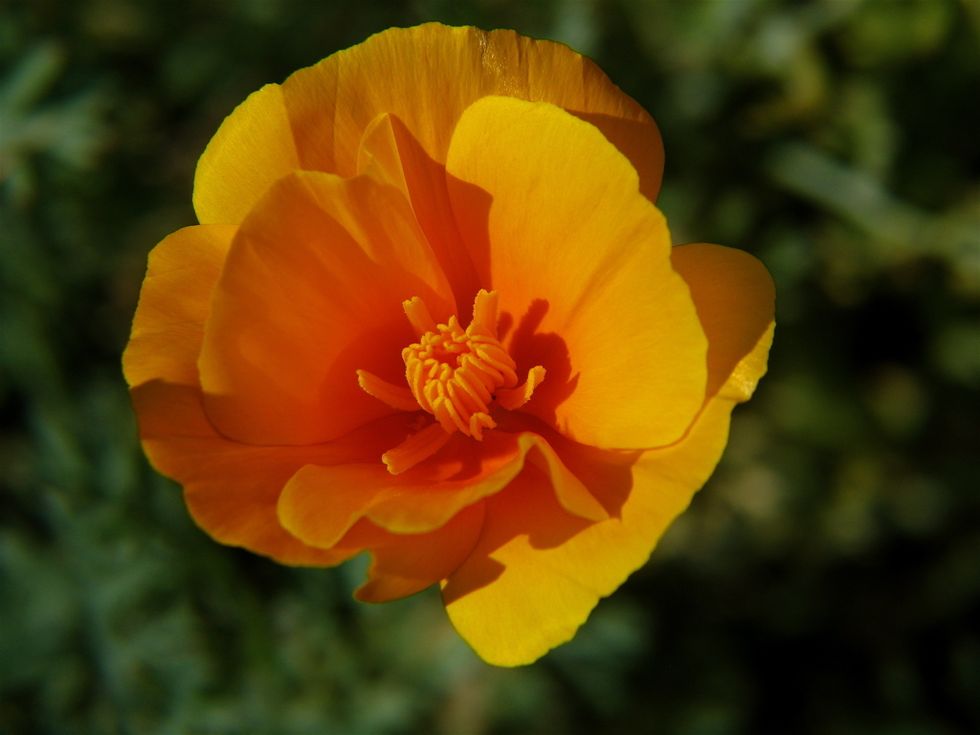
431 313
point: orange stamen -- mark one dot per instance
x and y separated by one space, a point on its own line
416 448
396 396
511 398
418 316
457 375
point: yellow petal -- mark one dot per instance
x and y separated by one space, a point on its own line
311 292
735 298
537 572
251 150
174 303
552 217
428 75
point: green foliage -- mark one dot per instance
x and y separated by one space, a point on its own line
827 580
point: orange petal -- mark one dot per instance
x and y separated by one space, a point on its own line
321 504
552 216
512 398
231 489
174 303
251 150
311 292
427 75
389 152
404 564
735 299
537 571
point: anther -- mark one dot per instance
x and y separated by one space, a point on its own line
456 375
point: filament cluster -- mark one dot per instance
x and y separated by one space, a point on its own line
453 374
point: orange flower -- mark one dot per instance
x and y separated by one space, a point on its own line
431 313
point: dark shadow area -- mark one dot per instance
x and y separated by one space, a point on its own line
393 147
529 347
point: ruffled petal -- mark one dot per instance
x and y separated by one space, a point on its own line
251 150
231 489
553 220
428 75
311 292
537 571
174 302
403 564
321 504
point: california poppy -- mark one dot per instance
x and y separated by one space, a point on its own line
431 312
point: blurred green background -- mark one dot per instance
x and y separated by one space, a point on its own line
827 579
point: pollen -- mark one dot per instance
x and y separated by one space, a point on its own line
456 375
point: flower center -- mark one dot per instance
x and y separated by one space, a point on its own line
457 375
453 374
